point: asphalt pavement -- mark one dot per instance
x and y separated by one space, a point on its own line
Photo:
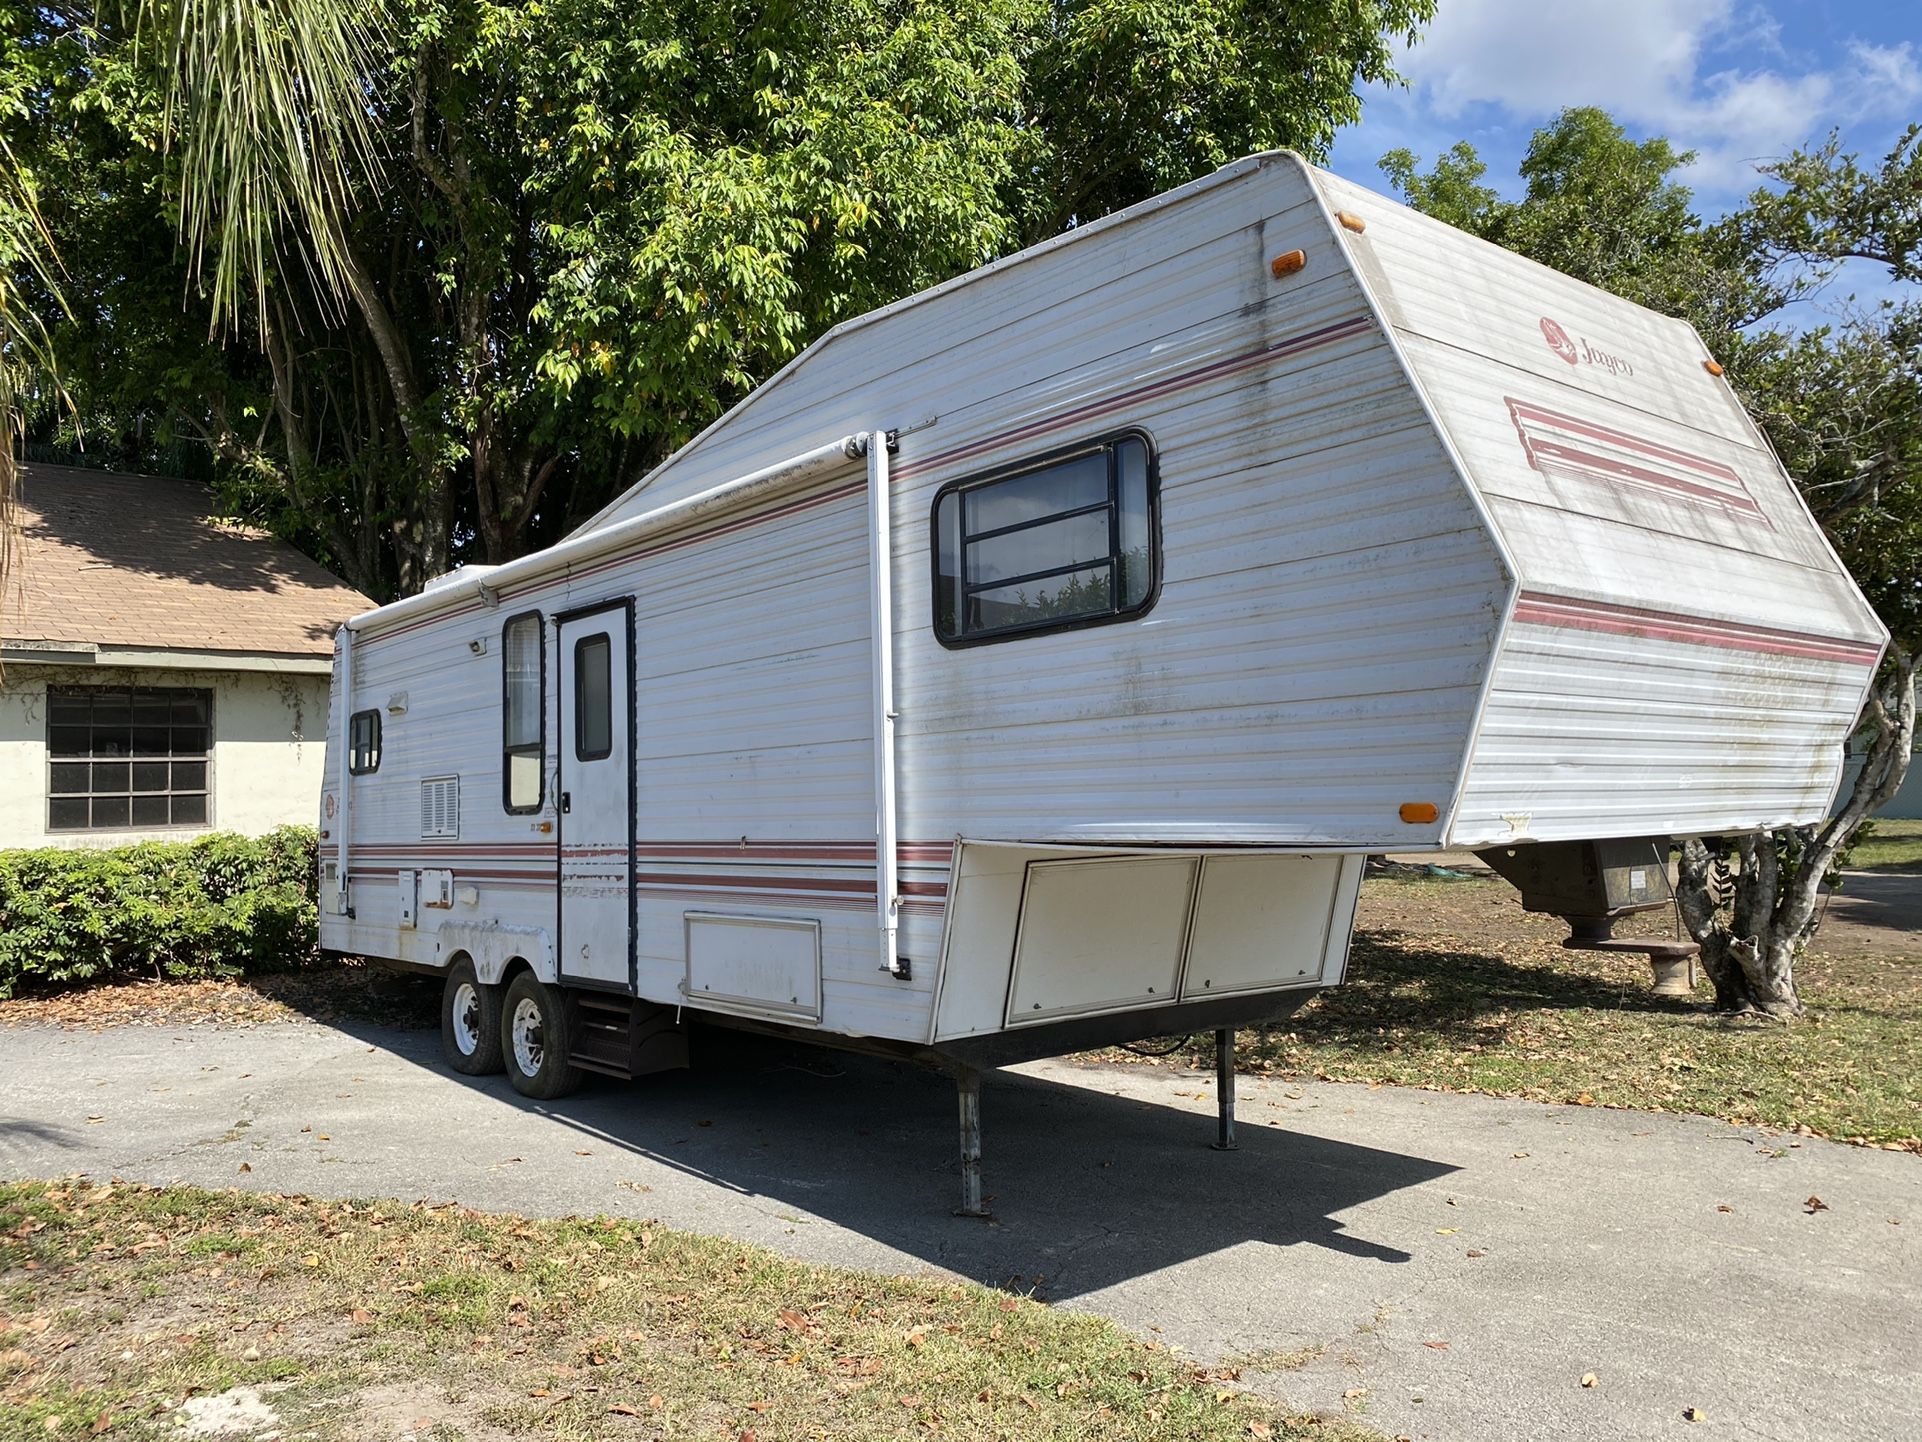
1451 1266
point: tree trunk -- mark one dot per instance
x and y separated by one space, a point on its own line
1772 894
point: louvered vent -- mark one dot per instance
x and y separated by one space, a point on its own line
440 806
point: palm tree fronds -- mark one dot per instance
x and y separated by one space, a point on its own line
268 107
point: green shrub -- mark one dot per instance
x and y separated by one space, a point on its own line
216 906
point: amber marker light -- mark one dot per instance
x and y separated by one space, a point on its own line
1714 368
1287 263
1351 221
1417 812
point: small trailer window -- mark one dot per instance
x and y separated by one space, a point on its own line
523 713
1067 540
363 742
593 700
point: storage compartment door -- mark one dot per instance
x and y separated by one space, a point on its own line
1099 935
1261 922
760 965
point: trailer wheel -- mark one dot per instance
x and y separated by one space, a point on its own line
470 1022
535 1040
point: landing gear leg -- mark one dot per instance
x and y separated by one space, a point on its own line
1225 1091
968 1086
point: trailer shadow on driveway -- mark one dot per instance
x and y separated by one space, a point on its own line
1463 1259
1088 1188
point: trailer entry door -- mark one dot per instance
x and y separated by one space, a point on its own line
596 800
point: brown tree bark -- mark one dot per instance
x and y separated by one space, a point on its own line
1752 930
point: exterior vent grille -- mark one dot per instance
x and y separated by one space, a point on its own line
440 806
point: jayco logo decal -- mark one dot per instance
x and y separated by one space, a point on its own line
1583 353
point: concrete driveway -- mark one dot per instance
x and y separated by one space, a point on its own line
1451 1265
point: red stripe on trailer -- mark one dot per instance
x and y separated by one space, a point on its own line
1694 479
1568 612
1152 390
919 853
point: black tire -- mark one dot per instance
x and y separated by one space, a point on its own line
470 1022
536 1058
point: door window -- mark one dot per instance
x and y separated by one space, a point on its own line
593 699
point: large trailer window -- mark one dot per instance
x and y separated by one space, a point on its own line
523 713
1066 540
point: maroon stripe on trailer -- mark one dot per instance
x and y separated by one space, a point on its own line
915 852
760 883
1607 468
1538 608
761 898
1699 480
1152 390
407 850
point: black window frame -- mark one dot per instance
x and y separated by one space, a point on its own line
605 642
537 748
355 765
204 758
1107 443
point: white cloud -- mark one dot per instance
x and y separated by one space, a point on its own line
1890 75
1692 70
1538 56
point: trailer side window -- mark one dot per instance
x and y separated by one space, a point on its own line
363 742
1067 540
523 713
593 700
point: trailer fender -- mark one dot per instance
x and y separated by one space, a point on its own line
491 947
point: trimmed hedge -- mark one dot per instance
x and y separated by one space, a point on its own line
216 906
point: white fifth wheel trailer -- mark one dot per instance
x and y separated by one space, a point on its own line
1030 664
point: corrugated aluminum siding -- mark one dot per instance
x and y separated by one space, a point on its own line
1686 652
1330 595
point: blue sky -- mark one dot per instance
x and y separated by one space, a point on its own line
1735 80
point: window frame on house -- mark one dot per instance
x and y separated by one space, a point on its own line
363 760
137 756
537 747
949 522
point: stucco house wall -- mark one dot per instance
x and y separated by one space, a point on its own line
133 582
265 760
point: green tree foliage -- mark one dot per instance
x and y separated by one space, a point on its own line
242 123
29 293
581 229
1841 402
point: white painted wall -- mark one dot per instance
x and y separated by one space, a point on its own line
269 745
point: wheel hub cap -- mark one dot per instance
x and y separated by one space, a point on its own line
529 1041
466 1014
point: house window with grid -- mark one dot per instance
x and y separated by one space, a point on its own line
125 758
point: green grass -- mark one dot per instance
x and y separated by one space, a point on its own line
1451 985
1888 846
117 1304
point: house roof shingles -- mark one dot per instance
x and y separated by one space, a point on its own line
136 561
